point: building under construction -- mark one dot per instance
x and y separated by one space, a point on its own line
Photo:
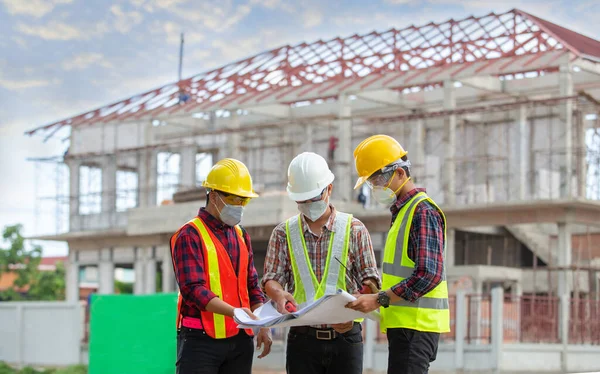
499 114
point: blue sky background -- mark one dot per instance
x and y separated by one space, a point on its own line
62 57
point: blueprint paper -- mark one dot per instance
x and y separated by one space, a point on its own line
329 309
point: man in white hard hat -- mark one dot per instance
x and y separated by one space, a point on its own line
303 262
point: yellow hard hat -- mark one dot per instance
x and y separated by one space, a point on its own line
230 176
374 153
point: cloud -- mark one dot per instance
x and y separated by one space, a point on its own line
35 8
312 17
153 5
198 59
398 2
275 4
21 42
236 49
61 31
217 17
19 85
231 50
125 21
85 60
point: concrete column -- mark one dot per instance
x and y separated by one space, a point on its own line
106 272
72 278
150 272
460 328
187 166
497 327
517 293
417 150
566 133
581 156
233 138
474 308
449 167
523 139
139 269
564 288
343 153
147 177
168 276
308 141
450 254
73 188
370 342
109 184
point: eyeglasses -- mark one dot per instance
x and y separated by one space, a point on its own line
379 179
234 199
314 199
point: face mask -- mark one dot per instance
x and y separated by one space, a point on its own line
230 215
313 210
384 195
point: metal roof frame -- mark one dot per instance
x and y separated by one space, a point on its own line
393 59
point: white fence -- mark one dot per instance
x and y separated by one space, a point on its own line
41 333
50 334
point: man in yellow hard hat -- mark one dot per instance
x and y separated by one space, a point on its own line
214 267
316 252
414 299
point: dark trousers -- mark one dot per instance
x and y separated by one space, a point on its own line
411 351
307 354
198 353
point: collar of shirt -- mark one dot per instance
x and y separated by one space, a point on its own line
395 208
329 225
212 222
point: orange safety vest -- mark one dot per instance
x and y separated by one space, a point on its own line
222 281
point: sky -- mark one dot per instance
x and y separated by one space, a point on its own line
62 57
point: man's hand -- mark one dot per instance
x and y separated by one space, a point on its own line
264 339
371 286
343 327
364 303
283 298
249 313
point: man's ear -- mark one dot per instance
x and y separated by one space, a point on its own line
401 173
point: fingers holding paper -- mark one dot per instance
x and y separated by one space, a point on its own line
249 313
364 303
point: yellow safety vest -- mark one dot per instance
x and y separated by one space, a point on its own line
430 312
307 287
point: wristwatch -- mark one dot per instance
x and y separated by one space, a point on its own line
383 299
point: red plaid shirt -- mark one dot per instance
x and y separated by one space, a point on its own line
425 248
188 257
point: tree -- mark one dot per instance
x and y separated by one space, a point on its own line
23 260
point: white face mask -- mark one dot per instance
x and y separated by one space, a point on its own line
314 210
384 195
230 215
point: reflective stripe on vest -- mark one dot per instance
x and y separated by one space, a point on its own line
307 287
223 281
431 311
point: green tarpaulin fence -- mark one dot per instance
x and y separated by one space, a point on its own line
131 334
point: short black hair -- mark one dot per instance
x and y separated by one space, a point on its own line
406 168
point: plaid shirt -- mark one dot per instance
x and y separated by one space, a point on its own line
361 259
425 248
188 256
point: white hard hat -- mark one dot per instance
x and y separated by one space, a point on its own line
308 175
